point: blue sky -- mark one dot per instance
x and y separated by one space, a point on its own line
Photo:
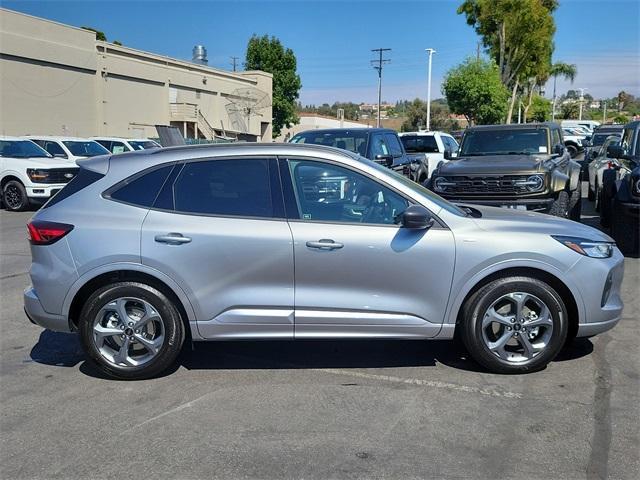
333 39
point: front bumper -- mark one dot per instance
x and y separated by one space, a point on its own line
630 209
602 311
532 204
37 315
42 193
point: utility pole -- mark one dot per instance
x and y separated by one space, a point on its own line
233 62
581 102
478 51
553 102
604 113
380 61
431 51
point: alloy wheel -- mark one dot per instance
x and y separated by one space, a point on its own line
128 332
13 197
517 327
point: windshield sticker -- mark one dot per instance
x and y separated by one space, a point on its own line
542 149
306 216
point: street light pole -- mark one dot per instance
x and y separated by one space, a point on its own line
431 51
581 102
553 103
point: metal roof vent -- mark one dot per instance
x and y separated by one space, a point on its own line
200 55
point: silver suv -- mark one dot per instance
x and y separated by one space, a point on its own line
268 241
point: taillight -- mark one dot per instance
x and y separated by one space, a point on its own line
46 233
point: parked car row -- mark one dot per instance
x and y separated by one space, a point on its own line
36 167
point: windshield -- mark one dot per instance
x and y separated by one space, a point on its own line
354 141
599 138
417 188
419 143
87 148
21 149
143 144
526 141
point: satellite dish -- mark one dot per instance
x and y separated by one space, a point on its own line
245 103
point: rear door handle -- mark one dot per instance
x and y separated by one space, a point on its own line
172 239
325 244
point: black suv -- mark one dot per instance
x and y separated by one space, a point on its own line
621 191
382 145
525 167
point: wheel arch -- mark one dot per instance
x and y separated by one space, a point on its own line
97 278
8 178
560 286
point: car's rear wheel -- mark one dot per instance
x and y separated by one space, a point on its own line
14 196
575 205
608 191
130 330
514 325
591 194
572 150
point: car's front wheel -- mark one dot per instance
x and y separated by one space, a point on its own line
130 330
14 196
514 325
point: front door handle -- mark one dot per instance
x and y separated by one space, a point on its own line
172 239
325 244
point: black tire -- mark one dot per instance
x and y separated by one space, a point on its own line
607 194
14 196
596 201
174 332
476 306
560 206
624 231
572 150
575 205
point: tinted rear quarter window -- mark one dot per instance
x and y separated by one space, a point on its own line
141 190
83 179
233 187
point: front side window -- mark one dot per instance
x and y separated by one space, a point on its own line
329 193
627 140
353 140
118 147
378 146
235 187
143 144
87 148
54 149
394 145
450 144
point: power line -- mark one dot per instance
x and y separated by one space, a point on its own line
233 62
380 61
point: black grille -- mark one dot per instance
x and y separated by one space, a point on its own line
485 185
60 175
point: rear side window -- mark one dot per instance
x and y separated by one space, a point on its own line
141 190
83 179
235 187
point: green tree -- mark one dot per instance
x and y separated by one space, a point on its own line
518 35
269 55
416 113
540 109
474 89
99 35
570 110
564 70
623 119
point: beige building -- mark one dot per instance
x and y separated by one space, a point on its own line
59 80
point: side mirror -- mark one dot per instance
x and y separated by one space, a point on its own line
558 149
593 154
615 151
386 160
447 154
417 217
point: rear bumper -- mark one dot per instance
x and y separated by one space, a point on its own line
591 329
37 315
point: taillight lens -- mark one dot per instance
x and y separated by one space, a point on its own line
46 233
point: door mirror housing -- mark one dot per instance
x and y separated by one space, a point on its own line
447 154
558 149
615 151
386 160
417 217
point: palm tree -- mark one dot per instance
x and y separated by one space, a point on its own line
565 70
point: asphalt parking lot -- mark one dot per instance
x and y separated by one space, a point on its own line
349 409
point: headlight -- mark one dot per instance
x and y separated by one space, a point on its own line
534 183
440 184
589 248
37 175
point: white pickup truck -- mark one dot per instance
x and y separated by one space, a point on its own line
427 149
29 175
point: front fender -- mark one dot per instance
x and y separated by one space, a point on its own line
458 298
574 175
